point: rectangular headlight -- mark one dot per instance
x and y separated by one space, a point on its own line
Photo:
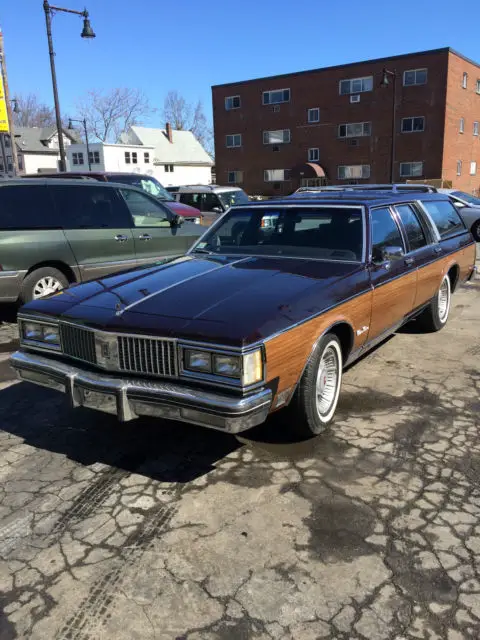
252 368
227 366
32 331
197 360
44 334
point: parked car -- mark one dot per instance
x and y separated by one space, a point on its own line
252 320
211 199
468 207
54 233
148 183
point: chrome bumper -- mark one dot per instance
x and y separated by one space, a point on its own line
129 398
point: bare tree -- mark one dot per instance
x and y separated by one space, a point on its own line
186 116
111 113
33 113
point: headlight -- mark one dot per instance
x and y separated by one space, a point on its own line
46 334
245 369
198 361
227 366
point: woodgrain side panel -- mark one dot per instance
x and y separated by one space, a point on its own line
287 353
466 261
429 280
391 302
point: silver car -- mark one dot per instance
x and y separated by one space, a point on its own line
468 207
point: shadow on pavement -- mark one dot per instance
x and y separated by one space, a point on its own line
8 313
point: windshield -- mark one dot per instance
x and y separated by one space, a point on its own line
323 233
147 183
229 198
466 197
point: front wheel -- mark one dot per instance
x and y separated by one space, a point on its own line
436 314
316 398
476 230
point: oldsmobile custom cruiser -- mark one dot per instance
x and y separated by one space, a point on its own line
255 317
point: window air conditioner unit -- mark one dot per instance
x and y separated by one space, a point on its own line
352 142
276 108
355 98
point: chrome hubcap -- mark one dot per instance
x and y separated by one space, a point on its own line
327 380
443 300
46 286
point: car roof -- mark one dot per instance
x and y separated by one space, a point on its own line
206 188
361 198
84 184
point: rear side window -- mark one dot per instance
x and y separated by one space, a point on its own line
26 207
385 232
90 207
445 217
413 228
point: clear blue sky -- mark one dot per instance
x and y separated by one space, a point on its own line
189 45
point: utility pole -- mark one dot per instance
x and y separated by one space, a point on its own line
9 108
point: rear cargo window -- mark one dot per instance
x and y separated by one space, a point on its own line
26 207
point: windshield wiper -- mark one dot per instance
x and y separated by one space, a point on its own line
203 251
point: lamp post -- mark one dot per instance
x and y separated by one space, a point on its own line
387 77
87 32
84 122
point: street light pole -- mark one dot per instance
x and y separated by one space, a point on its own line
385 83
84 122
87 32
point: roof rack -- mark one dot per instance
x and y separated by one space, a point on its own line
393 188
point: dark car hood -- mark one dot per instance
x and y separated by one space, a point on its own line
229 300
182 209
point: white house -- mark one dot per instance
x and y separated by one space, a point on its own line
37 148
124 158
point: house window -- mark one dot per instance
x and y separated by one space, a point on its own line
348 172
235 177
127 157
281 136
77 158
168 168
410 125
232 102
475 128
313 154
411 169
459 167
464 80
356 85
354 129
235 140
461 128
146 157
134 157
313 115
414 76
275 97
478 86
94 157
276 175
473 168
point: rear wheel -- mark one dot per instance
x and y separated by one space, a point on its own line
41 283
436 314
316 398
476 230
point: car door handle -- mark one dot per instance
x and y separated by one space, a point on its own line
437 249
121 238
409 261
145 236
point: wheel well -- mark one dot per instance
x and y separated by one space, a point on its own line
61 266
344 333
453 274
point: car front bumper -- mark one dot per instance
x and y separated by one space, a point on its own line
129 398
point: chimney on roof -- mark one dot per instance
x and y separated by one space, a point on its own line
168 129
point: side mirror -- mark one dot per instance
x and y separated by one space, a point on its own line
177 221
387 254
217 210
458 205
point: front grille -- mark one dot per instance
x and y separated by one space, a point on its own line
146 355
78 343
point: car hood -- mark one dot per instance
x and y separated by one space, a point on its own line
182 209
222 299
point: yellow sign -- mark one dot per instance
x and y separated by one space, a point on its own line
4 128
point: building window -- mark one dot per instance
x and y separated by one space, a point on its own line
77 158
411 169
473 168
354 129
235 177
356 85
461 128
313 115
410 125
414 76
235 140
277 96
313 154
475 128
127 157
146 157
459 167
134 157
478 86
281 136
276 175
232 102
168 168
464 80
348 172
94 157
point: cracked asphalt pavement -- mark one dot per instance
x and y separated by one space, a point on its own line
163 531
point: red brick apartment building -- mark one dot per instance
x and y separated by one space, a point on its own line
334 125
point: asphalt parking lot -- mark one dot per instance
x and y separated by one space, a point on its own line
163 531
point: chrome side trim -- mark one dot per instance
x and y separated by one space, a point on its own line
101 265
13 274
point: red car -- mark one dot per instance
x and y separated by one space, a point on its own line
148 183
